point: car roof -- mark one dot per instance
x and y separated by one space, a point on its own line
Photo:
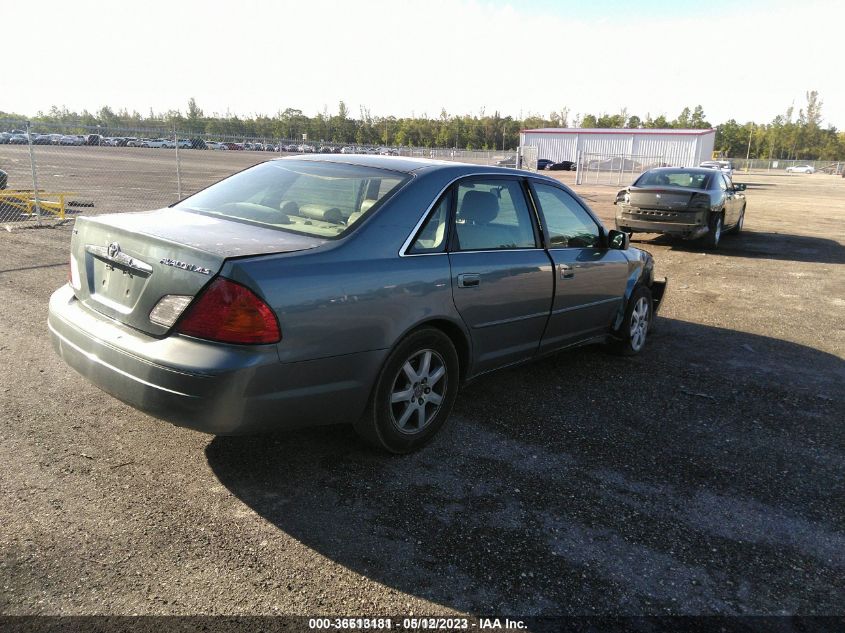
691 170
411 165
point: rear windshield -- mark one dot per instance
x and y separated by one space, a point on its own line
673 178
322 199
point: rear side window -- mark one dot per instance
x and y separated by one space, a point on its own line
568 224
432 236
316 198
492 215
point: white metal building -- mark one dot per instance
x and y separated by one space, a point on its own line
679 148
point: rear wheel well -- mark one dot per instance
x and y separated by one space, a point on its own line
458 338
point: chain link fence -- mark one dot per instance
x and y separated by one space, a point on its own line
622 169
613 169
775 165
56 172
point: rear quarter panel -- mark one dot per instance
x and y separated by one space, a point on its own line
330 306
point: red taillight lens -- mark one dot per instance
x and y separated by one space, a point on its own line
230 313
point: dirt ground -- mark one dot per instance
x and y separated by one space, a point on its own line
705 476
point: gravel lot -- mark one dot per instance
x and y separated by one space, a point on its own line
705 476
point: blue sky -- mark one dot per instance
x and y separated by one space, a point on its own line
743 59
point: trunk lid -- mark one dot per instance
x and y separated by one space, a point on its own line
662 198
126 263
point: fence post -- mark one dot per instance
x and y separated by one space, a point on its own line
578 174
34 173
178 165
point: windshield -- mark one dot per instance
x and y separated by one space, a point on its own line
321 199
673 178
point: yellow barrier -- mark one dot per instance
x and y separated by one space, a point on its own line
53 202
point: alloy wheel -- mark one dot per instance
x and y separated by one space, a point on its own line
639 324
419 389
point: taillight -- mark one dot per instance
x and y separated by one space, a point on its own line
230 313
699 201
73 274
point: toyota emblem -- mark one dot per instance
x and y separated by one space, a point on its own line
114 250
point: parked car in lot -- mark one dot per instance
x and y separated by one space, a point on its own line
507 161
18 139
316 290
564 165
42 139
70 139
691 203
544 163
157 142
725 166
801 169
4 138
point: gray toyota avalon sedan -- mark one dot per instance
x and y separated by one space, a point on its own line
359 289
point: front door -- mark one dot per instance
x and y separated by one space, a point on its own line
590 278
732 202
502 280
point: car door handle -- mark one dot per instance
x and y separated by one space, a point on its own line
566 271
469 280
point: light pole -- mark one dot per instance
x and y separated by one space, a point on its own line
748 153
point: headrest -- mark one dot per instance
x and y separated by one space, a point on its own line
367 204
479 207
289 207
318 212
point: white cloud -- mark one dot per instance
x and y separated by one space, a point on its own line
402 57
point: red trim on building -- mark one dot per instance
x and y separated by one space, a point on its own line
633 130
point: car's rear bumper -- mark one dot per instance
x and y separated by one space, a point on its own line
687 230
211 387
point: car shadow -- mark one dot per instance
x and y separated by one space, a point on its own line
761 245
690 479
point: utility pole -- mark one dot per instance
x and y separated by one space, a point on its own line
748 153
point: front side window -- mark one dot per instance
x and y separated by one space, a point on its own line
315 198
568 224
492 215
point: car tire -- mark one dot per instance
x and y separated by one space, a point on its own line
714 234
738 228
414 393
632 336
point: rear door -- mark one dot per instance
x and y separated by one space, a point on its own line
589 278
502 280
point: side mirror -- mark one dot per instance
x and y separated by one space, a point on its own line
617 240
739 187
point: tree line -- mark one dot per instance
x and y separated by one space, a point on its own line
788 136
